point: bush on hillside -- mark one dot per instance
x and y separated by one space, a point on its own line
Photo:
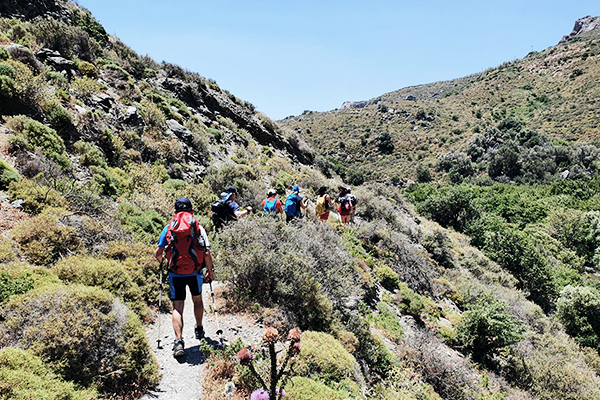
29 276
7 175
578 308
398 252
303 268
486 328
43 239
125 280
145 225
24 376
324 358
85 335
309 389
553 366
39 136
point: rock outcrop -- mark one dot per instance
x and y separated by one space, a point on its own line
583 25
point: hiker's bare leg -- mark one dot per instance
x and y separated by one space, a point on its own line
178 318
198 309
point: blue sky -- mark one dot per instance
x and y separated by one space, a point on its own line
286 57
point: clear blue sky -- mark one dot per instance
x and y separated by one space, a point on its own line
286 57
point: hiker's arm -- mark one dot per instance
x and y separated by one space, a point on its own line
158 253
246 211
209 267
304 203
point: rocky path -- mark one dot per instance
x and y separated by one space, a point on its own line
182 377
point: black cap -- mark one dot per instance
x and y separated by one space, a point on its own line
183 204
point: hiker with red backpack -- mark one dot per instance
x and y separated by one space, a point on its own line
294 204
184 244
272 205
345 207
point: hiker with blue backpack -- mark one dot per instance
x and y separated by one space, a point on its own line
183 243
272 205
294 204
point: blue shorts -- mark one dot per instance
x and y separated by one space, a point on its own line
177 284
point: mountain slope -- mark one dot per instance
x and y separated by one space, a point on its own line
553 92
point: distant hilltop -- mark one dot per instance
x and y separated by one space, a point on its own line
583 25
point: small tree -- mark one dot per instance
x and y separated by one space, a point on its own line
486 328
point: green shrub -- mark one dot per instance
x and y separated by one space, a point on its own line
119 278
387 277
89 155
24 376
145 225
42 137
578 308
324 358
4 54
36 197
85 335
43 240
301 268
37 276
88 69
387 320
106 182
486 328
7 175
7 70
85 87
7 253
58 117
308 389
553 366
7 86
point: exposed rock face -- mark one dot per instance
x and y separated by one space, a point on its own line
583 25
359 104
33 8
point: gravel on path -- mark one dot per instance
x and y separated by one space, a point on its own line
182 377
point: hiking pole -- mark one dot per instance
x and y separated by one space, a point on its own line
219 331
160 302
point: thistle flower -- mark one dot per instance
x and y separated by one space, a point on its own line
283 394
259 394
245 356
295 349
294 335
270 335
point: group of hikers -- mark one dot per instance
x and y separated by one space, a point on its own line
184 244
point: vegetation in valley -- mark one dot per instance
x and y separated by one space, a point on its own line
463 287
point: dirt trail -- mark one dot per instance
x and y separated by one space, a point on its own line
182 377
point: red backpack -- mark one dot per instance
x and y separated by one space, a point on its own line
185 244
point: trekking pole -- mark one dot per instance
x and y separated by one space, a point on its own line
160 302
219 331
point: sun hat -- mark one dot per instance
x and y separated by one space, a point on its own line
225 196
295 188
271 192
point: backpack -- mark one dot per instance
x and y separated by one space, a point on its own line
291 205
353 199
345 203
185 244
270 206
221 213
322 207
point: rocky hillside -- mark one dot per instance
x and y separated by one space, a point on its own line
97 142
553 92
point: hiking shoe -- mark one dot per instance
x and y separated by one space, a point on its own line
178 348
199 332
